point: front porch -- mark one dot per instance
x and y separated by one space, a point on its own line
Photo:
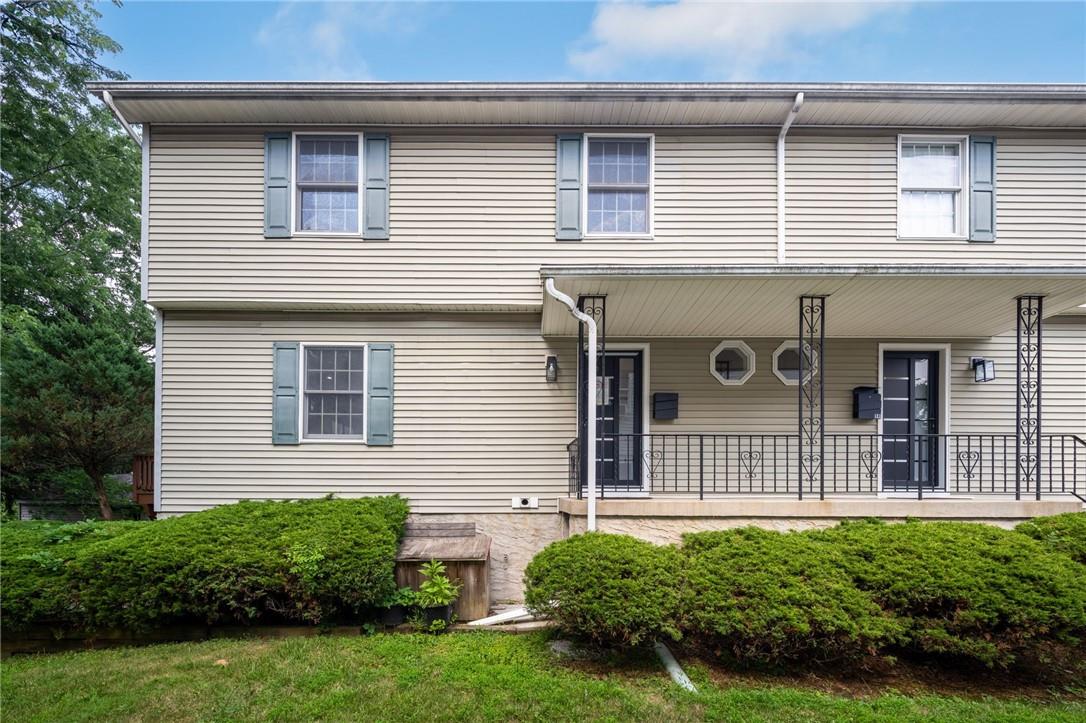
675 425
707 465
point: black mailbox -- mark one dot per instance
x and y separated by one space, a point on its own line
866 403
665 405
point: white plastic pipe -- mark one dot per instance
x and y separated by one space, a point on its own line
589 402
780 176
507 617
673 668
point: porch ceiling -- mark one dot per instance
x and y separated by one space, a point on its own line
863 301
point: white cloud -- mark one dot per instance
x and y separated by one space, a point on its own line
327 40
729 39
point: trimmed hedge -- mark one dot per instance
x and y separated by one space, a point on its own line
762 596
310 561
963 589
934 589
1064 533
612 589
34 559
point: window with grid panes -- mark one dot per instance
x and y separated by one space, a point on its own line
618 186
327 184
333 392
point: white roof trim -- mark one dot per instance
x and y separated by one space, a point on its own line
608 91
823 270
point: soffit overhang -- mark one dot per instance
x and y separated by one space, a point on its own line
890 105
902 302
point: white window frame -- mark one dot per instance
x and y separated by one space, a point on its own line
736 344
784 346
962 210
295 197
302 438
651 204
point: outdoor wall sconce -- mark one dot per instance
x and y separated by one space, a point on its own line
552 369
983 369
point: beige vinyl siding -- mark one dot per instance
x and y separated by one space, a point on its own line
765 404
842 203
990 407
472 219
472 215
475 421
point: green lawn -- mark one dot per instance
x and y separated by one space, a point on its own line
460 676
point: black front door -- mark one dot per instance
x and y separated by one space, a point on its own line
910 420
618 421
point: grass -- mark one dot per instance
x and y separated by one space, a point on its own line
467 676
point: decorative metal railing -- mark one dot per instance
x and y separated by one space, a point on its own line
767 464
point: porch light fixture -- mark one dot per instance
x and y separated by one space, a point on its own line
983 369
552 369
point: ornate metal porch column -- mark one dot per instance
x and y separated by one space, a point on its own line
812 413
1027 422
596 307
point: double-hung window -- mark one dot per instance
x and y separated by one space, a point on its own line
326 190
334 385
932 182
619 186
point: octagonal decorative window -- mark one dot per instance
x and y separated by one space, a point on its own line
786 362
731 362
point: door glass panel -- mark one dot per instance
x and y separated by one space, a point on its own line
603 390
625 426
920 379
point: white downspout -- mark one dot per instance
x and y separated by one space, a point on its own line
590 411
780 175
108 100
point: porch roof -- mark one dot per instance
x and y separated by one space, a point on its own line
871 301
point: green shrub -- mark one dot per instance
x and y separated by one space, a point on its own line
767 597
308 561
34 556
960 589
1064 533
611 589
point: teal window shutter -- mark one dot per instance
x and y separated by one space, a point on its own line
277 158
379 413
982 188
375 203
568 219
285 362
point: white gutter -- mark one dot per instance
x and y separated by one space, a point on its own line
108 100
590 412
160 320
780 175
145 210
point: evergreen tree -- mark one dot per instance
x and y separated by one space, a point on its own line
74 395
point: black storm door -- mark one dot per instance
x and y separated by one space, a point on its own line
910 420
619 416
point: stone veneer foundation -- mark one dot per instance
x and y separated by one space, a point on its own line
517 537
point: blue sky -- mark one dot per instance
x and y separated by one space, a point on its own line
767 41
